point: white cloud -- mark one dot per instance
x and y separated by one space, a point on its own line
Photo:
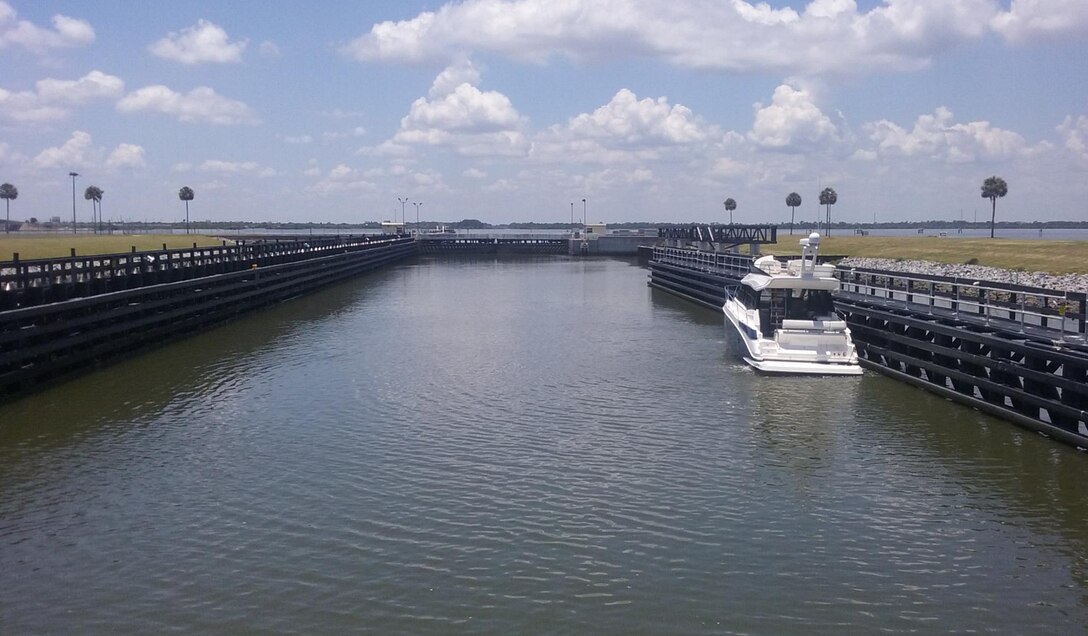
358 131
792 120
464 118
453 76
66 32
342 178
203 42
613 178
52 100
298 139
74 153
502 186
217 165
1040 19
828 36
430 180
25 107
237 167
936 137
7 155
201 104
728 168
626 129
93 85
466 108
636 122
1074 134
474 173
126 156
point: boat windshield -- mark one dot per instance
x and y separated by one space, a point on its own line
809 304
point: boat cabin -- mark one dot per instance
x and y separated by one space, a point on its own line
779 304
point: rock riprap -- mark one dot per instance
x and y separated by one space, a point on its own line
1064 282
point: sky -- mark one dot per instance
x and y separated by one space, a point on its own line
518 110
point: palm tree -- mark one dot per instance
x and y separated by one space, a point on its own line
828 197
186 194
730 205
793 200
7 193
94 195
993 188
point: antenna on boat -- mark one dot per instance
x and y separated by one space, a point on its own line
809 247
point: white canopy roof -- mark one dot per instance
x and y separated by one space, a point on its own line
759 282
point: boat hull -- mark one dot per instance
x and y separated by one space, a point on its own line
749 349
793 367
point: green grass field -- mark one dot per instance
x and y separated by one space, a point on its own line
1052 257
53 245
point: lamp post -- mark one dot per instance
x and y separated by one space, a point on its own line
402 202
73 175
585 219
417 204
572 218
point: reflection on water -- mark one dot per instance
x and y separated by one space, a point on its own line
509 446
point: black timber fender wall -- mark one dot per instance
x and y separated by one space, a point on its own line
699 276
43 343
1014 352
465 244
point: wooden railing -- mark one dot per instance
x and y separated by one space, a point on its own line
25 283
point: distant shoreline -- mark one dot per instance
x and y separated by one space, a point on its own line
473 224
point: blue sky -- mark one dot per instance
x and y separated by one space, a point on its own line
510 110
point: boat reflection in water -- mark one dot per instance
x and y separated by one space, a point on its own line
785 317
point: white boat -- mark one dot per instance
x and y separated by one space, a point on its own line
785 317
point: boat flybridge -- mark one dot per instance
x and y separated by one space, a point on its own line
785 316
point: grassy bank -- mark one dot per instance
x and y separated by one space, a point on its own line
29 247
1052 257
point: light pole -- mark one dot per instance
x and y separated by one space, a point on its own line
402 202
585 219
417 215
572 218
73 175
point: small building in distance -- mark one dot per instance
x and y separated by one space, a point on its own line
392 227
594 230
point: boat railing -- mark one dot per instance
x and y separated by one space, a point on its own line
1055 314
722 263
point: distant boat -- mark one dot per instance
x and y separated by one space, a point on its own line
785 317
441 229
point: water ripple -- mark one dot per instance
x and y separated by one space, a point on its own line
387 457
